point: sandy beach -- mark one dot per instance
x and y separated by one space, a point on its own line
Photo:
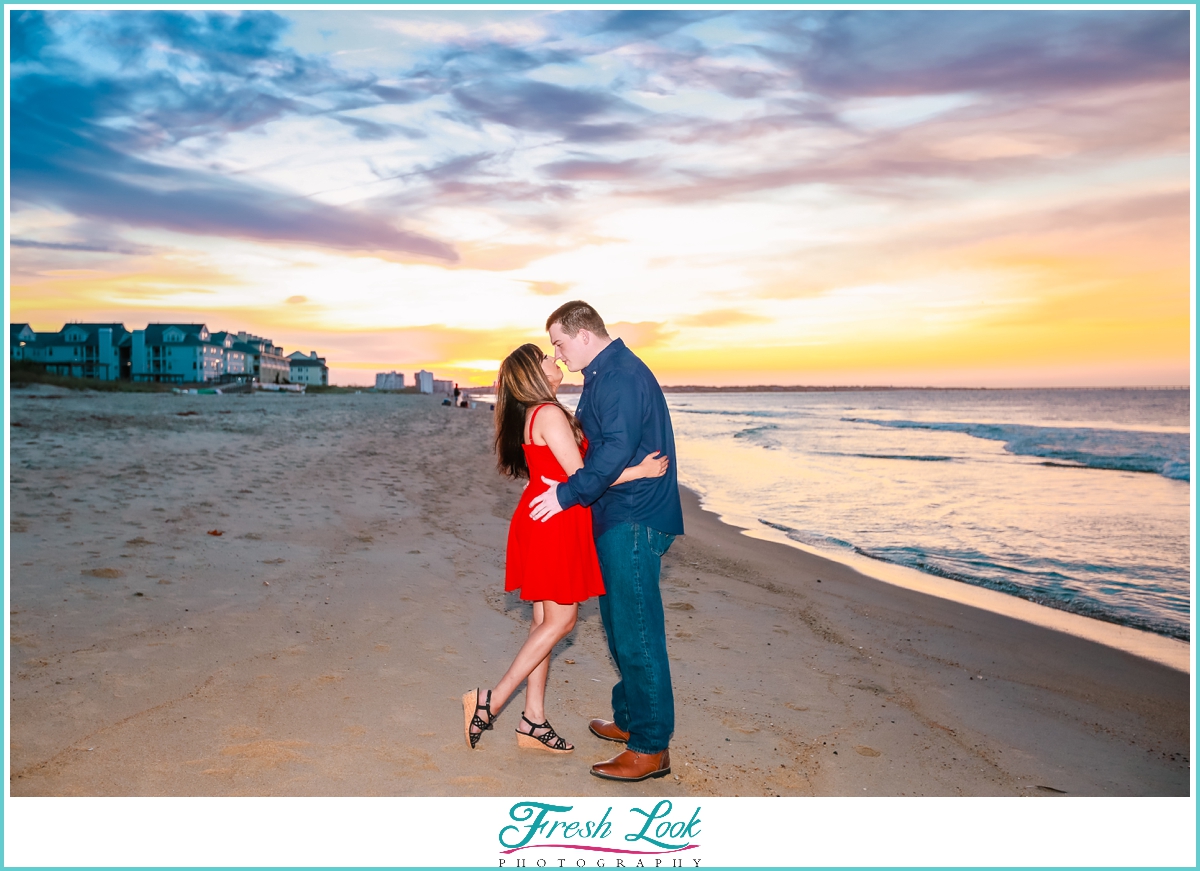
286 595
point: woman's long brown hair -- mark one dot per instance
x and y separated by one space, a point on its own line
521 384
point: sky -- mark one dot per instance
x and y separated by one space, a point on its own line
801 197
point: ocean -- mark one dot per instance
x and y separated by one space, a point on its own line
1074 499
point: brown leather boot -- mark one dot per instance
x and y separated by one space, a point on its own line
608 730
628 765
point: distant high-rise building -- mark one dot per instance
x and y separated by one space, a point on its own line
389 380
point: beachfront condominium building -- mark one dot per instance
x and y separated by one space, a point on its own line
309 369
176 354
266 360
443 387
20 336
389 380
235 363
80 350
169 353
424 381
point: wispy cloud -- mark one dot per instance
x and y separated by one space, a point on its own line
548 288
642 334
75 246
726 317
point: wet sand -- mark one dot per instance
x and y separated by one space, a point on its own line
319 644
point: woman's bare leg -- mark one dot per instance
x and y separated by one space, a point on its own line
535 684
557 621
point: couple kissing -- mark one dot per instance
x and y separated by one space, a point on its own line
601 508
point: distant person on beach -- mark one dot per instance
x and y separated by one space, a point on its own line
553 564
624 416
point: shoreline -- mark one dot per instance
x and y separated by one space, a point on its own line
1162 649
319 645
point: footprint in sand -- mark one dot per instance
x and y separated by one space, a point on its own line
241 733
863 750
739 726
258 755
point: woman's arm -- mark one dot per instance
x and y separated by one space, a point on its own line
551 428
653 466
557 434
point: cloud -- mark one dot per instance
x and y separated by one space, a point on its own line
218 41
77 246
89 143
58 164
481 59
196 204
542 107
597 170
648 24
370 131
642 334
29 36
296 300
861 53
549 288
396 95
976 144
493 257
1103 236
726 317
436 30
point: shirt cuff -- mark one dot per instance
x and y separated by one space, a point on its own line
566 499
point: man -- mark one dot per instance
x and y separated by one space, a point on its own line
624 415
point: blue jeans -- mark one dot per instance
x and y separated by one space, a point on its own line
632 612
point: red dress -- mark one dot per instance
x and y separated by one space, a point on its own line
554 559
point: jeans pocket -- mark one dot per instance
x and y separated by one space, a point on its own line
660 542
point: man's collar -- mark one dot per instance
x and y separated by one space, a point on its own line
601 360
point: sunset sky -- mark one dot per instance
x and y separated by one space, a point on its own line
974 198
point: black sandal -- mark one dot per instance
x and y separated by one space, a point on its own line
471 718
548 740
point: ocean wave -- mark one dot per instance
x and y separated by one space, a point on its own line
918 457
813 539
740 413
1051 584
759 434
1166 454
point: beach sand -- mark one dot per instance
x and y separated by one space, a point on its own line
318 646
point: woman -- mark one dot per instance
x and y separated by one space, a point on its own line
553 563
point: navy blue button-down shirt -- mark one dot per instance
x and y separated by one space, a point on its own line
624 415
